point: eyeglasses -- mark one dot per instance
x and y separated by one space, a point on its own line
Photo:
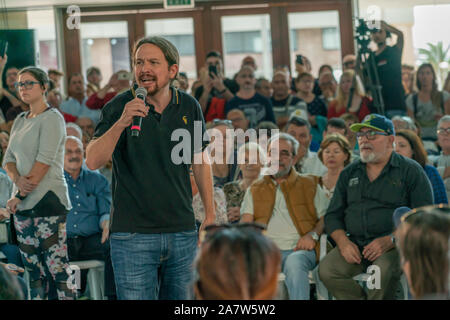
222 121
443 131
212 229
370 135
27 84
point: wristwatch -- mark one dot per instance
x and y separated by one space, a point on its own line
18 196
314 235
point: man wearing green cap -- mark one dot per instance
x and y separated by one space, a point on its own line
359 218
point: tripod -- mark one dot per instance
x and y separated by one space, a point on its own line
366 66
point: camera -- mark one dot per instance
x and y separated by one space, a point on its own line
124 76
299 59
212 70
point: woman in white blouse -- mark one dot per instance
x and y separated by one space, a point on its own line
335 154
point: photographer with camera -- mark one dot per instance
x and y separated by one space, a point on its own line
119 82
215 90
388 60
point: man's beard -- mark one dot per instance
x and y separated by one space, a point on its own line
371 157
282 173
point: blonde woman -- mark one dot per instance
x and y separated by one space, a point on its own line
360 105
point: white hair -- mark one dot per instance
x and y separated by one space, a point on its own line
287 137
80 143
251 146
76 127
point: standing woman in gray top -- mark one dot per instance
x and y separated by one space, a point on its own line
34 161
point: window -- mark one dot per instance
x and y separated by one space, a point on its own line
330 39
183 42
243 42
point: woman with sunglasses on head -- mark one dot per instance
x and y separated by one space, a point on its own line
423 242
222 149
409 145
34 161
251 159
237 263
429 104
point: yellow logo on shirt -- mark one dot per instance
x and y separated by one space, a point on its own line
185 119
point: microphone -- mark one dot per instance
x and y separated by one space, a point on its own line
141 93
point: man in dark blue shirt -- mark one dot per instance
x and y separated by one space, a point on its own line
87 223
255 107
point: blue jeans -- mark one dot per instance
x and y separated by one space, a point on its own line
296 266
153 266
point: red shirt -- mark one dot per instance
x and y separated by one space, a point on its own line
364 109
94 102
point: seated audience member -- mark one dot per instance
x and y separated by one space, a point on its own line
249 61
327 85
305 160
118 83
235 190
335 125
446 86
262 86
224 168
335 154
195 85
238 119
236 263
255 107
360 105
286 202
9 96
10 288
302 65
442 161
359 218
54 100
429 104
423 242
215 89
315 104
270 129
408 79
183 81
76 103
284 103
220 204
55 76
94 78
88 221
72 129
86 125
409 145
106 171
349 62
8 248
350 119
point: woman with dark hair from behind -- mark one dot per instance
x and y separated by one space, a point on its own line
409 145
423 242
237 263
429 104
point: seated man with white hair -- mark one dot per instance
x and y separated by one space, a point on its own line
286 202
87 222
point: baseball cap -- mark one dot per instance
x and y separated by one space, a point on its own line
376 122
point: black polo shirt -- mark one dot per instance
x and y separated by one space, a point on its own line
364 209
150 192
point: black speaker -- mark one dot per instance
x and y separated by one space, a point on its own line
23 48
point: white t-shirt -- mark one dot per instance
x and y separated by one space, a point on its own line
281 228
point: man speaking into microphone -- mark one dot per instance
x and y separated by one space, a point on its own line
153 234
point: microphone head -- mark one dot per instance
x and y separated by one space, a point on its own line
141 93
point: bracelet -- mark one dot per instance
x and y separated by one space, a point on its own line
18 196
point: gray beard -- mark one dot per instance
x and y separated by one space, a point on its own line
282 173
369 158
